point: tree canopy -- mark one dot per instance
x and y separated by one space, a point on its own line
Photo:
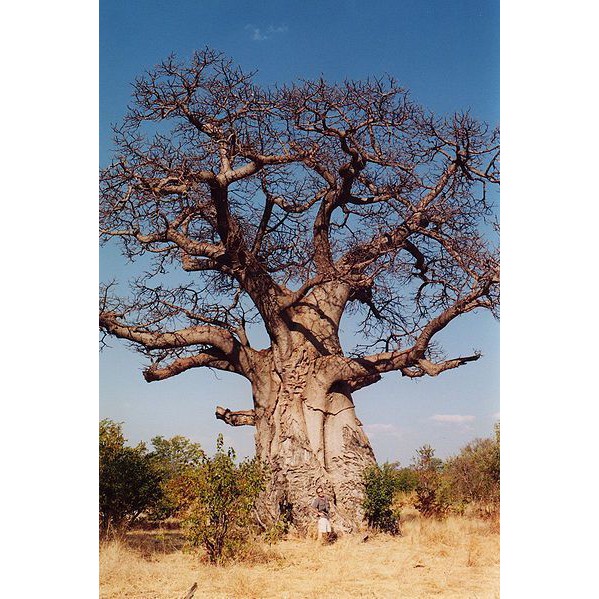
265 195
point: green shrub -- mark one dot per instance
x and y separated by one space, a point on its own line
474 474
219 517
129 480
406 480
380 484
275 532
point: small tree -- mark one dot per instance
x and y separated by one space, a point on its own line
129 480
177 459
380 484
430 491
225 493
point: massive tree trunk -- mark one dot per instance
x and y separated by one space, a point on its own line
309 435
306 427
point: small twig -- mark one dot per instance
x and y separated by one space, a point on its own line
191 591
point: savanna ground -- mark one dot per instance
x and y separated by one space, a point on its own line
455 557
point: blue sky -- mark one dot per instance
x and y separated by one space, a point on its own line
446 54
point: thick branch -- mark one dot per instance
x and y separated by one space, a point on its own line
198 335
190 264
361 372
195 248
293 297
188 245
244 264
240 418
205 359
365 381
173 185
323 257
424 367
411 361
433 194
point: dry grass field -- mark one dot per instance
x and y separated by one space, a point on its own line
457 557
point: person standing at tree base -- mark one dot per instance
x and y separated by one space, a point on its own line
322 508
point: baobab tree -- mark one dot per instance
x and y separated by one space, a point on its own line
292 206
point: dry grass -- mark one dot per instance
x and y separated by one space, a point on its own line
458 557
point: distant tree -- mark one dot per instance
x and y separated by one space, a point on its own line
129 480
219 517
177 459
406 480
380 485
292 207
177 454
431 492
474 474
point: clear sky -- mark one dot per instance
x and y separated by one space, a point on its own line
446 54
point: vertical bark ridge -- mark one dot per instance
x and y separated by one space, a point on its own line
310 436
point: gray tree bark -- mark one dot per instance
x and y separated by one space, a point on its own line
306 426
310 436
